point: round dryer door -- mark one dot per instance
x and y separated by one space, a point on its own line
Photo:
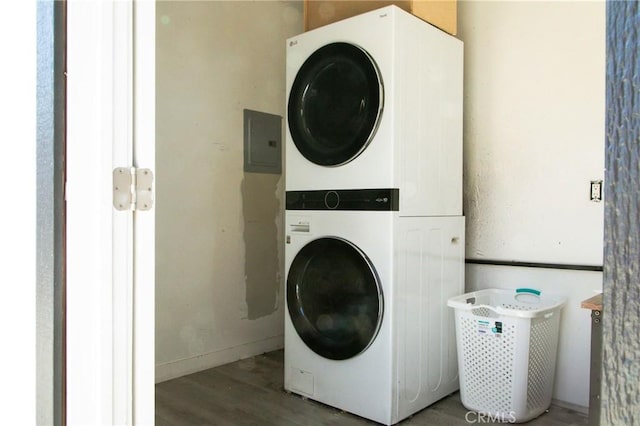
334 298
335 104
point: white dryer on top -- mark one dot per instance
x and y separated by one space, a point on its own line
375 101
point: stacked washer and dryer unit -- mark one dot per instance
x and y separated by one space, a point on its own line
374 243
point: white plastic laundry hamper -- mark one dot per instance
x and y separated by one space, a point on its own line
507 344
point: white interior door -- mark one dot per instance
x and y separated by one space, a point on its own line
110 253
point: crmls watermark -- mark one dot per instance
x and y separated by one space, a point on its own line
482 417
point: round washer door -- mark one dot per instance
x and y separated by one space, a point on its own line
335 104
334 298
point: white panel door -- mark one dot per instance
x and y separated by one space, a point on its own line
110 253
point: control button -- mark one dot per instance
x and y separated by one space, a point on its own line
331 200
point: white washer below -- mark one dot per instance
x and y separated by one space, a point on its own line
407 357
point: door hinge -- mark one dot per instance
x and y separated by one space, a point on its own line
132 188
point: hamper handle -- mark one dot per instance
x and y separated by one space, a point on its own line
485 311
528 290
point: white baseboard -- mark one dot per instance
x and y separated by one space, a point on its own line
182 367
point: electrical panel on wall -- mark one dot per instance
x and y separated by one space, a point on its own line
262 142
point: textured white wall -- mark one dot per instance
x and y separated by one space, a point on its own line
213 60
533 140
534 129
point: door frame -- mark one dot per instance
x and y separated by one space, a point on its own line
110 254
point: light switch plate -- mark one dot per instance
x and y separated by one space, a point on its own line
595 191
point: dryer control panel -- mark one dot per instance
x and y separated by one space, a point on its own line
345 199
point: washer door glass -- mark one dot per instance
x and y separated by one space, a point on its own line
335 104
334 298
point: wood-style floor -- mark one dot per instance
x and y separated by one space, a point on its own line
250 392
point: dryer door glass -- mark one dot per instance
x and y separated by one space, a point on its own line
335 104
334 298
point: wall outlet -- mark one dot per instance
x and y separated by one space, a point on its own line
596 191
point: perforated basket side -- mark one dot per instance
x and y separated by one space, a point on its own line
487 361
542 362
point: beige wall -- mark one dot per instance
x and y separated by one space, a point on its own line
533 141
218 252
534 129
